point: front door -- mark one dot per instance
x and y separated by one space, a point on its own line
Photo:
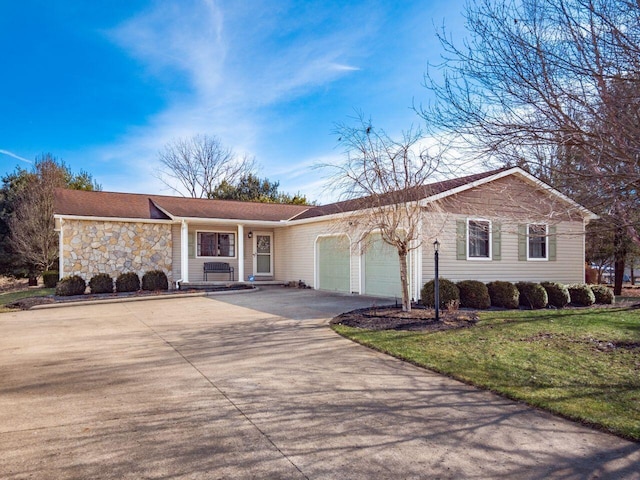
263 254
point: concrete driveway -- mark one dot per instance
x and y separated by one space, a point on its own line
256 386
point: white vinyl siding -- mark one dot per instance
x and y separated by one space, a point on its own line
294 255
567 268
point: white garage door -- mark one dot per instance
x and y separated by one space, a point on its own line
381 269
333 263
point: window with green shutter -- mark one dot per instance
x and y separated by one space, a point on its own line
552 243
496 241
461 240
522 243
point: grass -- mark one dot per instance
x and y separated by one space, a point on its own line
580 364
7 298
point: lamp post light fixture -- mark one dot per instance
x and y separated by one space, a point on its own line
436 248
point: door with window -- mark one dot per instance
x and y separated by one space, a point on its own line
262 254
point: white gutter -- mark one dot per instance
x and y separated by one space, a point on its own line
111 219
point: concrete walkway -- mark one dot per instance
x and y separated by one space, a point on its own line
256 386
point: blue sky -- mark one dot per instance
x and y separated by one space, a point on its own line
105 85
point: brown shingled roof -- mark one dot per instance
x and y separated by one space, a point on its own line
410 195
131 205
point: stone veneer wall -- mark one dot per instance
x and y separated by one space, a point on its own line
92 247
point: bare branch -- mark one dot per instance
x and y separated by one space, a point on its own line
196 166
381 182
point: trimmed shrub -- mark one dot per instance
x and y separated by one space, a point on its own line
448 292
503 294
155 280
101 283
50 278
128 282
581 294
474 294
603 294
557 293
71 285
532 295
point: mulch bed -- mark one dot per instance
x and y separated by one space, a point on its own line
419 319
27 303
423 319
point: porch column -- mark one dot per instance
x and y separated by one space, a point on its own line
61 250
240 253
184 251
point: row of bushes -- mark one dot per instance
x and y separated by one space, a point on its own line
478 295
103 283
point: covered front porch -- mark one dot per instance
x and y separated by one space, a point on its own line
208 254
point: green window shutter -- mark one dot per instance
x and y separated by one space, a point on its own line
496 241
552 243
192 245
461 240
522 243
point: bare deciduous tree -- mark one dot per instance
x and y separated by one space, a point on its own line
382 181
198 165
32 236
554 86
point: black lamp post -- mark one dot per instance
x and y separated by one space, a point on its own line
436 247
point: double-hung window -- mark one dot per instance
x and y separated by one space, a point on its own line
216 244
479 239
537 242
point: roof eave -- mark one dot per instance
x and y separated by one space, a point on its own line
64 216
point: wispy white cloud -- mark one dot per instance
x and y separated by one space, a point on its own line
227 65
343 68
11 154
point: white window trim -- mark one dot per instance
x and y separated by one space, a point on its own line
546 246
235 247
271 235
480 259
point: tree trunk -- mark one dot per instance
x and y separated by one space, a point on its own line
33 281
633 274
404 282
619 255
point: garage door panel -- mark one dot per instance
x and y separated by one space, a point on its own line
333 264
381 269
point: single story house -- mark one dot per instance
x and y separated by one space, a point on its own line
503 224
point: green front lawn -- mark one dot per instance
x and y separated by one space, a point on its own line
7 298
583 364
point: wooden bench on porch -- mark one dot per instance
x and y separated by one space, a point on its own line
218 267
